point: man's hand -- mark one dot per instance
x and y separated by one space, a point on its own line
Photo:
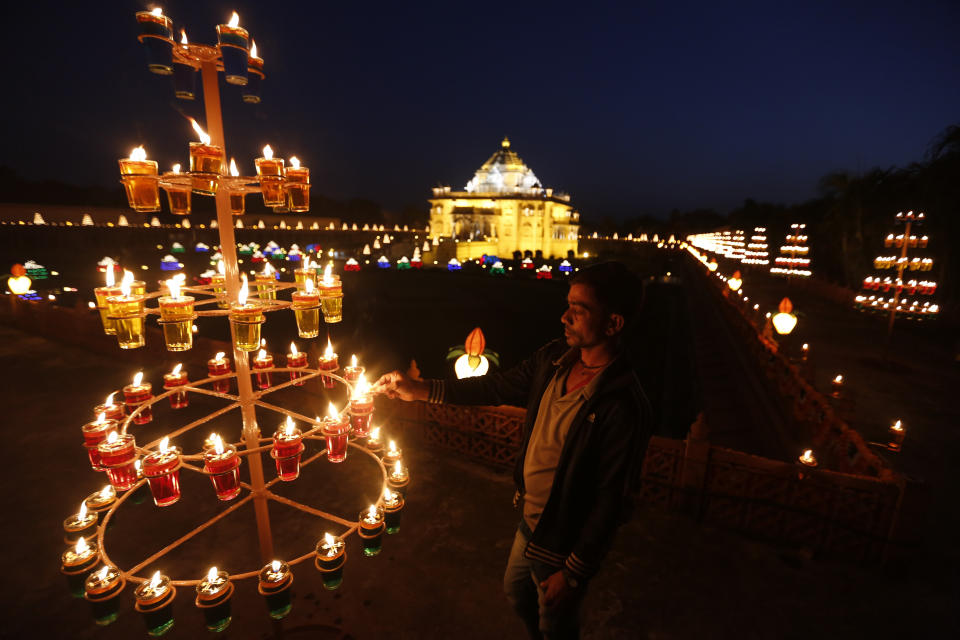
556 589
397 385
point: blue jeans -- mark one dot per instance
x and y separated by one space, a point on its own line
521 584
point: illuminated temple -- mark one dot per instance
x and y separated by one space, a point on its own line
504 208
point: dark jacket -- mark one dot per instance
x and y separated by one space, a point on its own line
600 458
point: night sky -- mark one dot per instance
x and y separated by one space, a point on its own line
631 107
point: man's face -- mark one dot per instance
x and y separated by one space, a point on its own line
584 322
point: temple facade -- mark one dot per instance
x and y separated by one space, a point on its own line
504 208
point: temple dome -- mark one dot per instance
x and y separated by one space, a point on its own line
503 172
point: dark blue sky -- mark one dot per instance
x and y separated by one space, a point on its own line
630 107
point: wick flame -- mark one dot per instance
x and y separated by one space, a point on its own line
374 434
388 495
275 565
176 369
329 539
268 269
212 574
362 387
267 153
164 444
897 426
262 355
397 469
332 411
112 437
372 512
294 162
81 547
242 297
126 284
183 37
102 574
392 447
176 168
233 168
308 286
100 417
234 21
111 278
838 379
106 492
217 443
204 138
82 514
353 361
137 379
219 356
328 272
807 456
290 426
155 580
328 352
253 49
293 349
174 286
157 11
139 154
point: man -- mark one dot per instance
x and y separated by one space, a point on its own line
586 429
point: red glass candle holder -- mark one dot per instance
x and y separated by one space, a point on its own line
111 411
93 434
262 367
336 431
119 458
296 361
287 448
180 399
220 367
361 412
223 470
162 471
328 364
136 395
352 374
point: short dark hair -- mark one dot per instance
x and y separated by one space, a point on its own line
617 289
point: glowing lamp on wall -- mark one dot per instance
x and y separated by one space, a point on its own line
785 320
18 282
735 282
472 358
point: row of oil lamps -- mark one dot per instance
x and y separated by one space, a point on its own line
123 312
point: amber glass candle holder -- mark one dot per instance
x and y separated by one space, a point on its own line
176 318
220 367
156 34
223 469
219 282
392 510
155 604
270 171
246 319
76 527
234 51
213 598
206 167
135 395
287 449
180 399
371 531
897 434
298 189
274 583
178 198
306 309
102 293
238 203
328 364
300 276
93 434
127 315
262 367
330 558
331 299
119 460
296 361
162 471
336 431
142 184
76 566
101 589
266 286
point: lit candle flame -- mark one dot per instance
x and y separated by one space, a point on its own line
217 443
212 574
372 512
101 417
388 495
176 369
262 355
136 465
138 378
126 283
374 434
253 49
112 437
897 426
233 168
176 168
204 137
111 278
353 361
183 37
219 355
157 11
234 21
332 411
392 447
328 352
82 514
308 286
290 426
139 154
174 286
267 153
329 540
294 162
328 273
362 388
838 379
107 492
102 574
268 269
81 547
805 346
242 297
164 444
807 457
397 468
155 581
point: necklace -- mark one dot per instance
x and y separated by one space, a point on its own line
586 366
